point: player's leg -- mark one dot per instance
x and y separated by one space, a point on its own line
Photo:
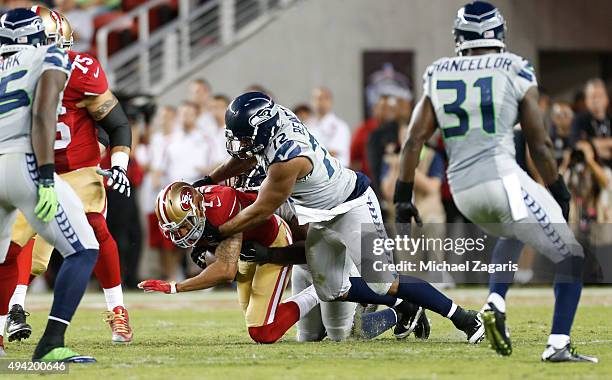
8 265
310 327
70 233
385 288
338 319
548 233
89 187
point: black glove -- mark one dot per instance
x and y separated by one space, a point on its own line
254 252
405 210
211 233
198 255
207 180
562 195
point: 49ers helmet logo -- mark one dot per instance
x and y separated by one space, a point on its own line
186 199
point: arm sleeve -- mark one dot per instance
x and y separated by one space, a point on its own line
56 59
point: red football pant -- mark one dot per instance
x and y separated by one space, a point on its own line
287 314
107 269
24 262
8 277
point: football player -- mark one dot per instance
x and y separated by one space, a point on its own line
87 100
182 211
475 99
36 75
333 200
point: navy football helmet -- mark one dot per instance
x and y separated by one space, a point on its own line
21 28
479 25
250 122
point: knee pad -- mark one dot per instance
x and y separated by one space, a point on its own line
98 224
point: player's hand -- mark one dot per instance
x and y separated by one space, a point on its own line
158 286
405 212
198 255
117 180
207 180
254 252
46 207
562 195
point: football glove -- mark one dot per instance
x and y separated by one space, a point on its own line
405 210
207 180
117 179
158 286
562 195
46 207
254 252
198 255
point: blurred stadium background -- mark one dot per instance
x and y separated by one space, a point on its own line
352 69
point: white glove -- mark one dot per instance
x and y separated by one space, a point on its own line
117 179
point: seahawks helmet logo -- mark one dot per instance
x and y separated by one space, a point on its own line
261 116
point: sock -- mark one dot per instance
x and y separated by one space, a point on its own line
423 294
71 282
374 324
2 324
52 337
114 297
24 263
568 287
498 301
19 296
360 292
306 300
8 277
558 340
107 269
505 250
287 314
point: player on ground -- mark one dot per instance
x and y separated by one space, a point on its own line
33 77
87 100
182 209
475 99
333 200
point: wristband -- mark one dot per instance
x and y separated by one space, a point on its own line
173 287
403 191
120 159
46 172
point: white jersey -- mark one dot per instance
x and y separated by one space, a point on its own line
19 75
329 184
476 100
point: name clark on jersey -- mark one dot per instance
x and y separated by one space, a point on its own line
443 266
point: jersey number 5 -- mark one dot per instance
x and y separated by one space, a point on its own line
487 110
11 100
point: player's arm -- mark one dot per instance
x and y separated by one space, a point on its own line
422 127
223 270
226 170
541 148
294 254
109 115
44 121
274 191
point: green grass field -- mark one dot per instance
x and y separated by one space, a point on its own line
202 335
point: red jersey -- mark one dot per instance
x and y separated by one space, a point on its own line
222 203
76 144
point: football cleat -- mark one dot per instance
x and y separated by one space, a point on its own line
119 322
565 354
66 355
496 331
423 327
2 352
471 324
408 315
16 326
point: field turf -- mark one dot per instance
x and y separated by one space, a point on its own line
202 336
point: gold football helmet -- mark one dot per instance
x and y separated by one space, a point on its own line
180 212
65 40
51 22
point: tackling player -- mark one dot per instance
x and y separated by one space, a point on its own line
182 211
333 200
36 76
475 99
87 100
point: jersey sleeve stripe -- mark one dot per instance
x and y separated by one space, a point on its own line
526 75
282 151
